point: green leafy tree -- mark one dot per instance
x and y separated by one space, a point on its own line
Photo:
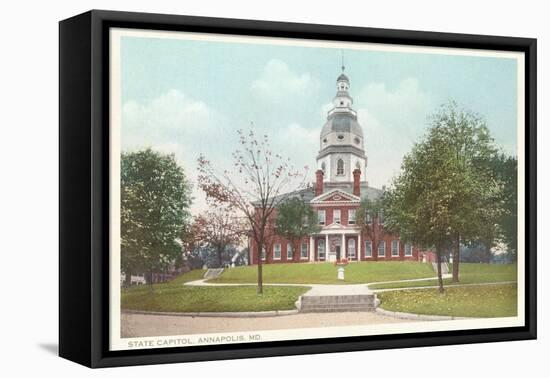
417 206
295 219
445 193
463 140
155 199
505 168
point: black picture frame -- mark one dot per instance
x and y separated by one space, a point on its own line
84 187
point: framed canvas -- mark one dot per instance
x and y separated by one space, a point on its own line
235 188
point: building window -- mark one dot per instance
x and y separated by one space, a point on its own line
395 247
340 167
368 248
381 216
408 249
321 215
368 218
351 248
337 217
351 214
321 249
263 253
303 252
277 251
382 248
289 252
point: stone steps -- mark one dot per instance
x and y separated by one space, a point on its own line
212 273
337 303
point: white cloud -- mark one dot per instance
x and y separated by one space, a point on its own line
278 83
171 115
174 123
178 123
300 144
392 120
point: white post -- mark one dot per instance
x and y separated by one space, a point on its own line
327 248
311 249
358 249
343 247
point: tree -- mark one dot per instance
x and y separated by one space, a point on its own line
295 220
218 228
462 138
417 206
445 193
155 200
258 182
370 220
505 169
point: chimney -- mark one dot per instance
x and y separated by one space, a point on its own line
356 183
319 182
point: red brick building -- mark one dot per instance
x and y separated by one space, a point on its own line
336 196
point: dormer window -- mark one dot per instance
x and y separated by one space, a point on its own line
340 167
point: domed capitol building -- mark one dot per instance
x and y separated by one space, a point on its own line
339 187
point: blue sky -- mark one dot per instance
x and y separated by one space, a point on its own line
190 97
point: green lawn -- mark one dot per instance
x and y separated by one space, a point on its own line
171 297
469 274
468 301
325 273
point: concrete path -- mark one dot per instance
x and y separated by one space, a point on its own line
316 289
142 325
444 276
320 289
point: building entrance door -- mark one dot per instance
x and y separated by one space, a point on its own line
338 253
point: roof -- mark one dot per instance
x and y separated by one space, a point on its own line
307 194
342 77
367 192
342 122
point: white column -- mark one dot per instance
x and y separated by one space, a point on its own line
327 249
358 247
343 247
311 249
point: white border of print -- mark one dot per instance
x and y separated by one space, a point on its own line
118 343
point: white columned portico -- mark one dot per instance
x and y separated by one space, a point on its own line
343 247
358 249
327 248
311 249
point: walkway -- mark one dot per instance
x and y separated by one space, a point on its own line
322 289
316 289
142 325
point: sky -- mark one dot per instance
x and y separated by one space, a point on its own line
190 97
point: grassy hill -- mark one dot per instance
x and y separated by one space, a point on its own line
469 274
325 273
469 301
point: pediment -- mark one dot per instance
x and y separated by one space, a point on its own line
335 196
335 226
